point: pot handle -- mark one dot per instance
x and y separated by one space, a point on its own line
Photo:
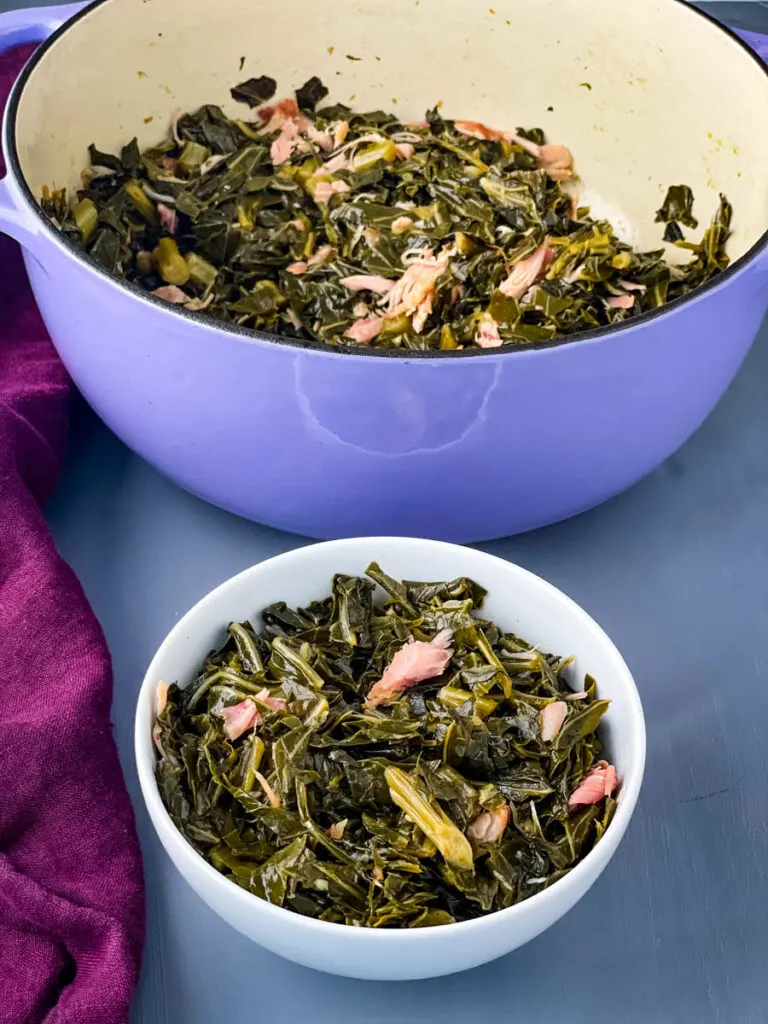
34 24
31 25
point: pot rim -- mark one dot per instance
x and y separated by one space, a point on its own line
250 334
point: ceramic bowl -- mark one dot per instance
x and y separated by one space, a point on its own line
518 601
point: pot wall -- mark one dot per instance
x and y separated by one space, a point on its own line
330 445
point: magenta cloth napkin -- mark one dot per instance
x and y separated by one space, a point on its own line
71 890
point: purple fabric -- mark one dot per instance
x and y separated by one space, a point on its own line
71 890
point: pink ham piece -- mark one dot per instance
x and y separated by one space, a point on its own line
239 718
171 293
277 114
156 734
527 272
340 132
551 718
422 313
281 149
557 162
620 302
413 663
632 286
401 224
367 282
488 334
413 293
168 218
274 799
336 831
600 783
162 700
275 703
404 150
489 826
475 130
286 118
323 140
365 330
322 255
325 190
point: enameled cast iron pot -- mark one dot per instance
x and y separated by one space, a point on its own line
462 446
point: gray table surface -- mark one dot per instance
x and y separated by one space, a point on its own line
676 570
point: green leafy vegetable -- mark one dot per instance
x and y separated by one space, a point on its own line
310 94
678 206
362 229
255 91
464 793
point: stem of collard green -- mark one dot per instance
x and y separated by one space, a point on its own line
348 634
469 157
86 217
249 653
200 270
142 203
192 155
254 760
171 265
302 667
223 676
453 697
490 656
432 821
318 714
200 691
396 590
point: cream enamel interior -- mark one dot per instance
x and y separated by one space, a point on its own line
646 93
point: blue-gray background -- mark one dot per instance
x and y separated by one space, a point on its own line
676 570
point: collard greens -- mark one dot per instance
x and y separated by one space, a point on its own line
321 223
318 764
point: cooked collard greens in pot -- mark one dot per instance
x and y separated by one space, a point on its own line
358 229
385 764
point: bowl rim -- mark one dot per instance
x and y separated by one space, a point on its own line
167 831
251 335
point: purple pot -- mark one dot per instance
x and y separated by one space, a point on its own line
458 446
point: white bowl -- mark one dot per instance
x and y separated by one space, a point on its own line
518 601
